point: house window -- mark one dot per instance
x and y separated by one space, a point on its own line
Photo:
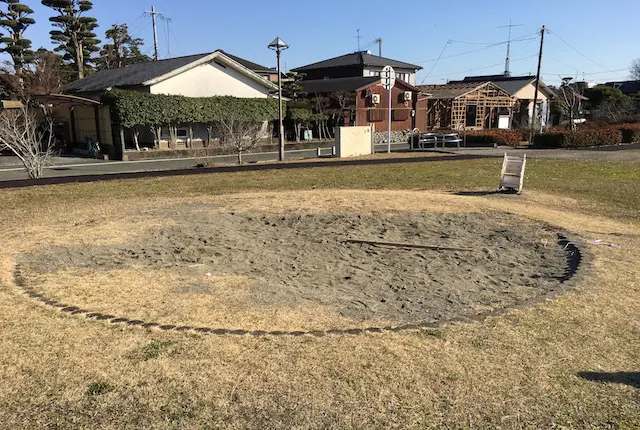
183 133
400 114
376 73
471 117
375 115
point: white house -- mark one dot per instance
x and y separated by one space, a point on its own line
203 75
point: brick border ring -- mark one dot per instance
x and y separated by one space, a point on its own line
575 261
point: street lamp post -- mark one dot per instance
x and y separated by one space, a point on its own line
278 45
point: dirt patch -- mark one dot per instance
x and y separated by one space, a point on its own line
297 261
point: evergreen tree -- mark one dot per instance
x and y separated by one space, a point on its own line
123 50
75 38
15 20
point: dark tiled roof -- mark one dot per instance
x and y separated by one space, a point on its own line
627 87
511 84
338 84
136 74
357 59
450 90
129 76
249 64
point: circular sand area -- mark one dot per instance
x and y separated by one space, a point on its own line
210 262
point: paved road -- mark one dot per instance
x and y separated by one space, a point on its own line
627 152
11 168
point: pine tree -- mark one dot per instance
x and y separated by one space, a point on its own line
15 20
75 38
123 51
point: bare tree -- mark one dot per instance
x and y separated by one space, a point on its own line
239 134
29 135
614 110
635 69
572 99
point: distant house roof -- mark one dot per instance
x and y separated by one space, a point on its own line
450 90
142 74
357 59
627 87
511 84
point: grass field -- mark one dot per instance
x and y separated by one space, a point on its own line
569 363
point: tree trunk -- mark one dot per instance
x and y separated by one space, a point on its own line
77 46
239 156
136 138
297 127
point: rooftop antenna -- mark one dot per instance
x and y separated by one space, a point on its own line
153 14
358 37
507 72
379 42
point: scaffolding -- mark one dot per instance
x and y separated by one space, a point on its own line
467 105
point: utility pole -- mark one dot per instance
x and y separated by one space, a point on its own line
153 14
379 42
358 37
507 72
535 94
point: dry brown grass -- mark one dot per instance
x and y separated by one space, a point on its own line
518 370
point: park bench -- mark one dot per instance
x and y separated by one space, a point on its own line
428 141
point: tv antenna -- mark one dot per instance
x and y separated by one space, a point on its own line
507 72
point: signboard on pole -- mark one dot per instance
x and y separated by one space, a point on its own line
388 76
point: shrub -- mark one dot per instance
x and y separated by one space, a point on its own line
581 138
495 136
630 132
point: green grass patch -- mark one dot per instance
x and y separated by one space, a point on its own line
600 185
98 388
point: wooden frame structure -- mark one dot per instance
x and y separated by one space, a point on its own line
467 105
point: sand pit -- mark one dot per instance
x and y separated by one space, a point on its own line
258 263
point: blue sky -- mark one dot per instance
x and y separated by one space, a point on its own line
597 38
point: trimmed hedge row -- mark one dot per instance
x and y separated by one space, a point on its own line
132 108
579 138
495 136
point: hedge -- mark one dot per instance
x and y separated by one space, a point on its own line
132 108
494 136
630 132
578 139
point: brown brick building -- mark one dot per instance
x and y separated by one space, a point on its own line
358 75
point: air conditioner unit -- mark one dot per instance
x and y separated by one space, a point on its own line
407 96
375 99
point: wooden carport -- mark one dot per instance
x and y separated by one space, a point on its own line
67 106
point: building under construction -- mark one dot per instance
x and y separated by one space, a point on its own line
478 102
468 105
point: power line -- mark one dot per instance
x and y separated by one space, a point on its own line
438 59
166 35
174 36
475 50
572 47
483 67
136 20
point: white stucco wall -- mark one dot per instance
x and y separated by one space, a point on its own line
371 71
527 92
211 79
